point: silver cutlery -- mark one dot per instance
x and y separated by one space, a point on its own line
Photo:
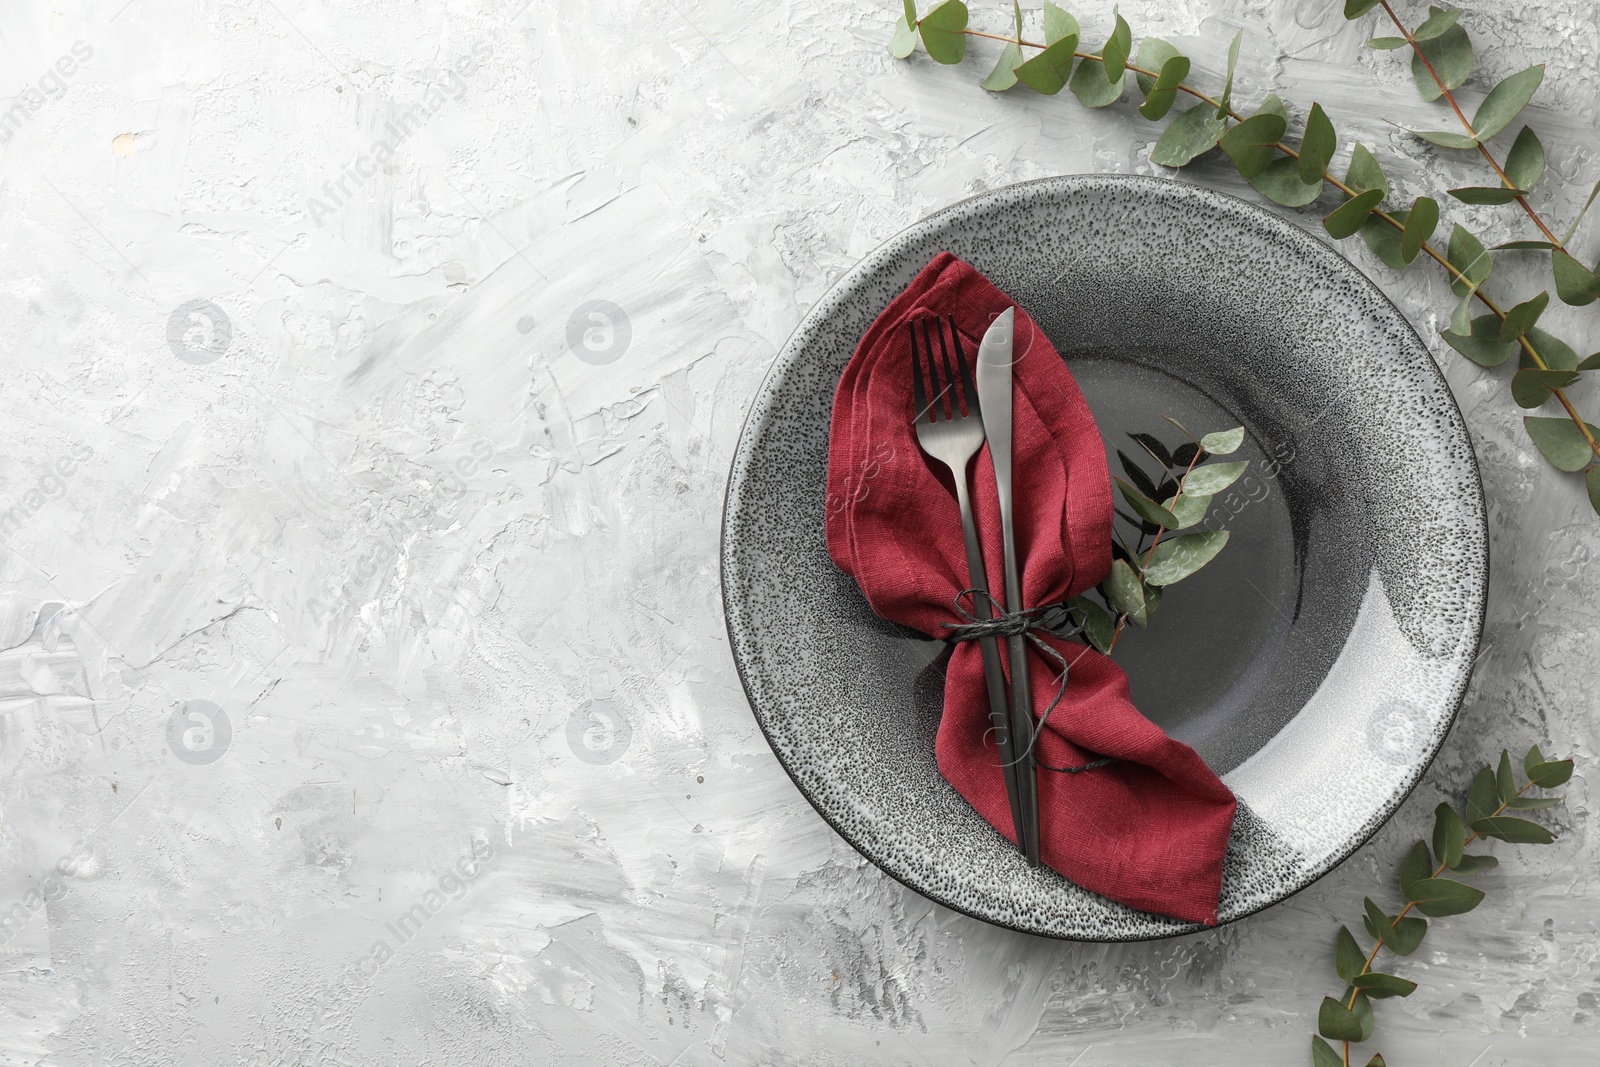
950 428
995 397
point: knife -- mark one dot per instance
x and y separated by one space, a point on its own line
995 399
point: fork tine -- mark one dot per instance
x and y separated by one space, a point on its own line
939 401
955 403
919 395
968 390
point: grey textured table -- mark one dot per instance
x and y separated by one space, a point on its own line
371 377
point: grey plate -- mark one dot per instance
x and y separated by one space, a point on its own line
1316 665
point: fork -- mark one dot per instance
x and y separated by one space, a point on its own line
950 429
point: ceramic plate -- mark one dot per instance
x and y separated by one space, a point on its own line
1316 665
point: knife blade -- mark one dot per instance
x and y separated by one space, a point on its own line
995 392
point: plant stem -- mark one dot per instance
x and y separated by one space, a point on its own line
1433 253
1416 48
1366 968
1122 620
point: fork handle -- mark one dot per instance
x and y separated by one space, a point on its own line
993 672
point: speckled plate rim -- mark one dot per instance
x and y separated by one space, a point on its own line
1291 234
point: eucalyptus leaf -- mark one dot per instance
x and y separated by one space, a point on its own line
1449 835
1506 101
1223 442
1377 923
1556 353
1092 88
1364 172
1004 75
1447 139
1380 986
1505 779
1117 50
1192 133
1461 317
1148 509
1514 830
1337 1022
1483 798
1153 55
1016 10
1317 145
1438 897
1188 508
1125 593
1251 143
1483 346
1438 20
1591 482
1472 864
1576 284
1362 1008
1048 71
942 34
1520 319
1468 256
1165 91
904 41
1533 803
1560 441
1348 959
1175 558
1485 194
1552 774
1417 866
1533 758
1344 220
1450 53
1421 221
1377 1060
1406 935
1213 478
1354 9
1590 362
1531 387
1098 627
1384 239
1525 162
1058 24
1225 101
1322 1054
1386 44
911 12
1279 181
1581 213
1523 246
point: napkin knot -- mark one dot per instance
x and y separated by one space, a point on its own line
1057 620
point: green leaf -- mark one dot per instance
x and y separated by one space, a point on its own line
1483 346
1449 835
1354 9
1467 255
1344 220
1533 758
1560 441
1520 319
1190 134
1525 162
1125 593
1118 48
911 12
1380 986
1417 866
1223 442
1515 246
1406 935
1591 481
1152 599
1482 799
1377 1060
1364 172
1506 101
1363 1014
1473 864
1322 1054
1225 101
1348 959
1575 284
1484 194
1533 803
1446 139
1590 362
1250 143
1058 24
1337 1022
1004 75
1552 774
1438 20
1531 387
1317 146
1516 831
1175 558
1153 55
1444 896
1090 86
904 40
1279 181
1016 10
1556 353
1384 240
1213 478
1376 921
1505 779
1421 221
1148 509
941 32
1584 211
1165 91
1188 508
1385 44
1451 56
1048 71
1098 627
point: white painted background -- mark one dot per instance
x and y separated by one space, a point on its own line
455 589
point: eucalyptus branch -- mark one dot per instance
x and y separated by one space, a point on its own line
1348 1019
1294 176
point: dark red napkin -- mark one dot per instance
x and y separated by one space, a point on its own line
1149 830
